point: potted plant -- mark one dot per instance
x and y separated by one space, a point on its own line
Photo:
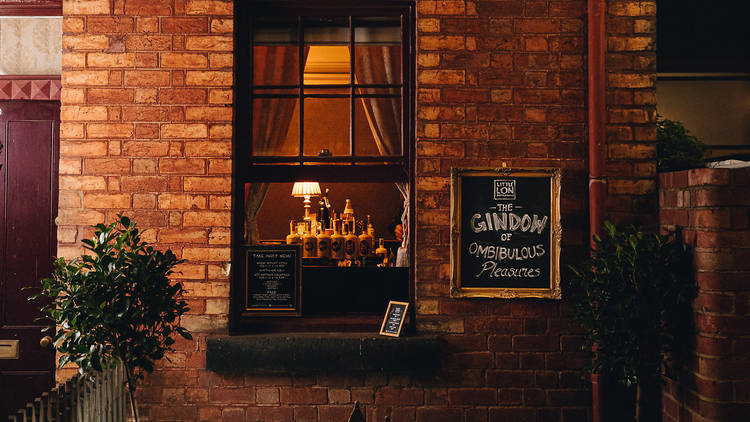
676 148
633 298
115 306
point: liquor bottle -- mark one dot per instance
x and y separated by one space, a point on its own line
325 211
351 243
309 245
366 244
293 238
337 241
324 244
348 214
381 252
370 229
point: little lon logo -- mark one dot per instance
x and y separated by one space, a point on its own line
505 189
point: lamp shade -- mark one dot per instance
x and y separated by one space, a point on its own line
302 189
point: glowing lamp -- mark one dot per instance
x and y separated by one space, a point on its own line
306 190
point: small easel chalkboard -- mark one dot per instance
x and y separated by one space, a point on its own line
394 319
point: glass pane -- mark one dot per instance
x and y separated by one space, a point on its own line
327 64
377 126
380 31
377 64
326 30
326 126
344 90
276 126
275 30
275 65
276 91
379 91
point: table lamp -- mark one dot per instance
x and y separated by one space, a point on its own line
306 190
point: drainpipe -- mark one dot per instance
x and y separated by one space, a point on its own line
597 48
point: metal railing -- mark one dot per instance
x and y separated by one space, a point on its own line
103 399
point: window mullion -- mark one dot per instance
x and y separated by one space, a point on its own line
351 83
301 43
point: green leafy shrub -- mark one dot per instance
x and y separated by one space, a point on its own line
116 305
633 298
676 148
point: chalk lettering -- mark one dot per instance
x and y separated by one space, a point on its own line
495 221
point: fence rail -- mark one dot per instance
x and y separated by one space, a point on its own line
103 399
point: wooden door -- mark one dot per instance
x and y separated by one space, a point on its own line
29 132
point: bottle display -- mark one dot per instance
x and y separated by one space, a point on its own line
293 238
331 237
337 241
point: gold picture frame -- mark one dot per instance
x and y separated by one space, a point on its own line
501 182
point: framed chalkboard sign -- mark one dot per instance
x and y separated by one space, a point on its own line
393 321
505 233
273 283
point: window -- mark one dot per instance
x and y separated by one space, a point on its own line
324 93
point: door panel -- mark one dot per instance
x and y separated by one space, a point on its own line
28 206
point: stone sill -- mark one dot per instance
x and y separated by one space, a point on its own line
306 352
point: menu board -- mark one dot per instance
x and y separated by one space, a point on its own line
394 319
273 282
505 233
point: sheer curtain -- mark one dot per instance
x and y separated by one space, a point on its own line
272 66
382 65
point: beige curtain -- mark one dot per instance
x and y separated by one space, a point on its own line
382 65
272 66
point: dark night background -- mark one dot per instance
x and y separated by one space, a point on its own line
703 36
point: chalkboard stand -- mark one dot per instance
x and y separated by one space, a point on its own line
393 322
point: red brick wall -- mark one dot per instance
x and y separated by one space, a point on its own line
147 130
713 207
631 112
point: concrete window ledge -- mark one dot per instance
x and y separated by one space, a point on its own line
320 351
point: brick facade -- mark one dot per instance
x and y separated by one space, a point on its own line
146 130
713 208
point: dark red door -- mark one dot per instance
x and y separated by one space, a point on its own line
28 205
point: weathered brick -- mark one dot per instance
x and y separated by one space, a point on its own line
209 7
142 78
183 60
174 130
208 78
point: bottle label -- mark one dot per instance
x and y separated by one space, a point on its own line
323 246
364 248
336 245
309 245
349 247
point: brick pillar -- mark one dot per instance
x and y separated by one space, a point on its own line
631 111
713 207
146 131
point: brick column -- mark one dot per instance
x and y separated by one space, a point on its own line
713 207
146 131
